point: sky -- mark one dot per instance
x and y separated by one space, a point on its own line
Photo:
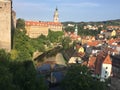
69 10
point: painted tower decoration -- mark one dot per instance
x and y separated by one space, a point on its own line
56 16
5 24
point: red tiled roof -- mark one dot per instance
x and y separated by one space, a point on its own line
107 60
102 58
74 37
111 41
39 23
113 27
93 43
91 62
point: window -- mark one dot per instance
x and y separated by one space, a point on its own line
106 67
0 7
105 76
105 71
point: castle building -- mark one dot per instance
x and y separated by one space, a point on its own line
5 24
35 28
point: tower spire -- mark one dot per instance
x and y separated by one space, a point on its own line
56 15
76 30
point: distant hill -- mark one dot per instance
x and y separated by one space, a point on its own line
108 22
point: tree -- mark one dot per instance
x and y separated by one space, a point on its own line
17 75
23 45
20 24
25 76
4 56
65 42
14 54
5 76
54 36
79 78
69 29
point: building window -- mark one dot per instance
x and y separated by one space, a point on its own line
105 76
106 67
105 71
0 7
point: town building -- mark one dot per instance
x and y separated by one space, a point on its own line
113 27
101 65
90 27
35 28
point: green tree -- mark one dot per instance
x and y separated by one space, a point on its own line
14 54
54 36
5 76
20 24
79 78
66 42
23 45
25 76
69 29
4 55
17 75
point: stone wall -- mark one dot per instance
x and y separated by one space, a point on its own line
36 31
5 24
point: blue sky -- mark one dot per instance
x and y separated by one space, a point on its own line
69 10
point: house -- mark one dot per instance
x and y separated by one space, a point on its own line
92 43
96 50
91 63
113 33
103 65
113 27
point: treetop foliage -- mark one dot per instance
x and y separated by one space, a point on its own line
18 75
79 78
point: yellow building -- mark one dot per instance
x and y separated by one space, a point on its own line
113 33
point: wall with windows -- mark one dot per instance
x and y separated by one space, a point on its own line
106 71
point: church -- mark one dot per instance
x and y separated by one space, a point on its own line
35 28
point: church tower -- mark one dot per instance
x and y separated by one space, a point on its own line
56 16
5 24
76 30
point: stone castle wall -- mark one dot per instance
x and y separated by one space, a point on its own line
5 24
36 31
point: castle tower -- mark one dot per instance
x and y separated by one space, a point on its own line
5 24
56 16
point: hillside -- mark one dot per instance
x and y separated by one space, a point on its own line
108 22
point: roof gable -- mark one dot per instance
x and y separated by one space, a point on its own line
107 60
